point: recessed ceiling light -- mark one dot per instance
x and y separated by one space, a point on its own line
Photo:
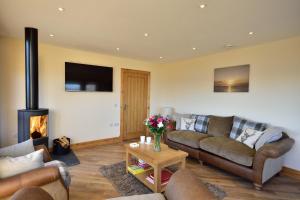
251 33
194 48
228 45
61 9
51 35
118 49
161 57
146 34
202 5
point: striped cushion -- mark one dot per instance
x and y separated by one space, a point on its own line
240 124
201 124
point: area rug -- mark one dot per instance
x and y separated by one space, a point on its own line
128 185
70 158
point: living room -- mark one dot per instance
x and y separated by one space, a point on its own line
179 48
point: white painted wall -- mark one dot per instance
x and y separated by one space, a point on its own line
83 116
187 86
274 95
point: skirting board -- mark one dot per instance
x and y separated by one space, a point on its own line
93 143
290 172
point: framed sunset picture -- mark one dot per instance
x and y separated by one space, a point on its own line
232 79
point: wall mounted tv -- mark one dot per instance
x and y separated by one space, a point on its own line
88 78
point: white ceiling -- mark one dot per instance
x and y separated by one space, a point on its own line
174 26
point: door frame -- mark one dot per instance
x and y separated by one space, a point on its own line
122 125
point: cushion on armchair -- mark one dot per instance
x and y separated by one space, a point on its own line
12 166
19 149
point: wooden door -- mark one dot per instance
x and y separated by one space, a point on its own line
134 102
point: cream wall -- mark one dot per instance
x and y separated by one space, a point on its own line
83 116
274 95
187 86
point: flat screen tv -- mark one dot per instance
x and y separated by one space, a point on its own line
81 77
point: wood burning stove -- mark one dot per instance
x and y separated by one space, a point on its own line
29 126
32 121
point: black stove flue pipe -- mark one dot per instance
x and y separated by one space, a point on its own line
31 68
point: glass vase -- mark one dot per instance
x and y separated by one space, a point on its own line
156 145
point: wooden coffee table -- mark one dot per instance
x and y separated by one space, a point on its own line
158 160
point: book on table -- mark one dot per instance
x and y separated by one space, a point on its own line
135 169
165 177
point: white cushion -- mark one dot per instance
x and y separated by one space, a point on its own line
271 134
12 166
249 137
177 117
19 149
187 124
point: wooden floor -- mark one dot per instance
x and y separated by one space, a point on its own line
87 183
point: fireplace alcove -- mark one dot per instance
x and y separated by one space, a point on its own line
32 121
33 124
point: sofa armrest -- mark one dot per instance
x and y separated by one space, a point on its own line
46 155
170 127
272 150
36 177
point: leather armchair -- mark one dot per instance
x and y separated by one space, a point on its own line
48 178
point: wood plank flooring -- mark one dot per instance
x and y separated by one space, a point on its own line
87 182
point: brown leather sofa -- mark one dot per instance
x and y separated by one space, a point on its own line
48 178
232 156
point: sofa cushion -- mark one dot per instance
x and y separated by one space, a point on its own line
177 117
220 126
230 149
240 124
187 124
189 138
249 137
271 134
201 123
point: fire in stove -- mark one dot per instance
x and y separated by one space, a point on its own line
38 126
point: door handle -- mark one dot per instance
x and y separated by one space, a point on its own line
125 106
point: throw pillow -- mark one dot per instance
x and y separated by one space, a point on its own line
249 137
12 166
19 149
220 126
240 124
271 134
177 117
187 124
201 123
